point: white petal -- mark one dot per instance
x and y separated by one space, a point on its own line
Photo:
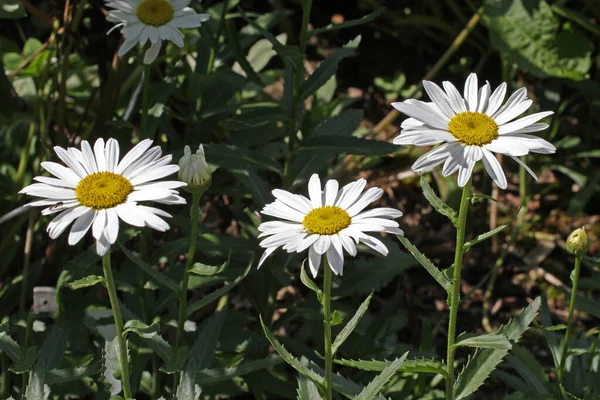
348 244
379 212
48 191
423 112
470 92
111 153
128 213
322 244
439 97
456 100
484 97
112 226
81 226
331 191
335 257
296 202
464 173
431 159
152 52
518 96
314 261
71 162
279 210
538 126
367 198
279 239
510 146
154 173
61 172
523 122
423 137
350 193
375 244
133 155
513 112
149 194
54 182
525 166
496 99
99 224
494 169
314 191
266 254
88 156
99 153
102 246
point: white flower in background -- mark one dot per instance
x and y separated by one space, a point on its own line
154 20
194 170
472 129
95 190
327 222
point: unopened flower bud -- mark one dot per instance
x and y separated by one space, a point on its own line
194 170
578 242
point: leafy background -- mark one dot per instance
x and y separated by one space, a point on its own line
230 88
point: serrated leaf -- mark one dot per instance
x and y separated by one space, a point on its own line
291 360
309 283
205 346
210 270
72 374
186 390
176 362
211 376
529 369
209 298
528 33
158 277
52 350
327 69
141 329
485 341
25 363
160 347
437 203
347 24
484 361
351 325
112 358
375 386
9 347
483 236
88 281
307 390
416 365
428 265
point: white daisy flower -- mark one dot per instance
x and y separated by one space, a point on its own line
154 20
327 222
95 190
472 128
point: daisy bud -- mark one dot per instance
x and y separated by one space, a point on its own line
194 170
577 242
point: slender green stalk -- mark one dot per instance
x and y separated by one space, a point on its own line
298 79
522 194
28 334
5 376
26 260
565 349
116 308
455 303
195 215
327 329
145 100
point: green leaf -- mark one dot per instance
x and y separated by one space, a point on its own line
336 318
210 270
576 17
295 363
528 33
160 347
12 9
428 265
484 361
410 366
437 203
233 157
485 341
375 386
351 325
52 350
72 374
233 43
210 376
209 298
559 327
88 281
112 358
484 236
347 24
346 145
25 363
529 369
307 390
186 390
327 69
141 329
158 277
309 282
205 346
9 347
177 362
35 389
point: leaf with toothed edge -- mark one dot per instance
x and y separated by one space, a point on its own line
484 361
307 390
351 325
375 386
416 365
428 265
437 203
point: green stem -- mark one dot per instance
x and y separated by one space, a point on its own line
145 100
299 78
116 308
5 376
195 215
565 349
327 329
28 334
454 304
522 194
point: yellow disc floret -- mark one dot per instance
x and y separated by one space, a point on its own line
327 220
473 128
155 12
103 190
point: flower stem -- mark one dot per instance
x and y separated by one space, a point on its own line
116 308
145 100
454 304
565 349
195 215
327 329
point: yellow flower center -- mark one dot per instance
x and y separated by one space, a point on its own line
155 12
327 220
103 190
473 128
